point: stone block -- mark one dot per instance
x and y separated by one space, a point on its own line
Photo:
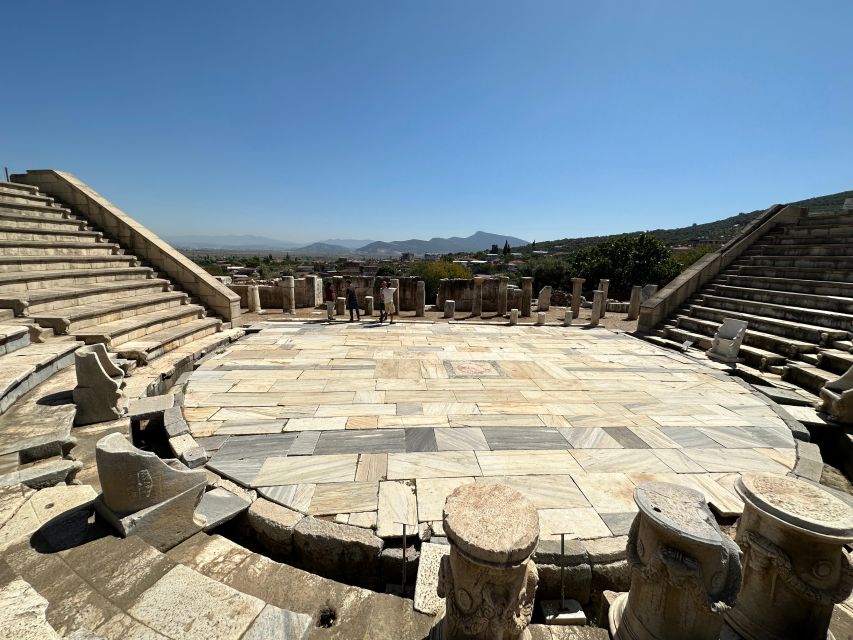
219 506
194 457
513 316
449 309
273 525
99 394
391 564
43 474
540 318
151 407
427 599
544 301
174 423
336 550
274 623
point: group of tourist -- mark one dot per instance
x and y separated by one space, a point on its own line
386 301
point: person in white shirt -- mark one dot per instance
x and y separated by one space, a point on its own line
387 294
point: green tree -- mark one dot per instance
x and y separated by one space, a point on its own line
506 248
432 272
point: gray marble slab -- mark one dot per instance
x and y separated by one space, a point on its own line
240 471
410 409
461 439
618 523
524 438
305 443
380 441
689 437
212 444
420 439
254 447
627 438
220 505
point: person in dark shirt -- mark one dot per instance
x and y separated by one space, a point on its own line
329 297
352 302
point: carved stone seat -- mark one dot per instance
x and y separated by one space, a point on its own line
99 392
727 340
837 397
146 496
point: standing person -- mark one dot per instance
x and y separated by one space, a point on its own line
329 297
352 302
388 299
382 285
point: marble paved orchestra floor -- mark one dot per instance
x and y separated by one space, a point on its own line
375 425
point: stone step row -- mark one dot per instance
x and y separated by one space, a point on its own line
43 300
807 301
793 285
52 236
40 263
149 346
816 234
38 212
72 320
769 249
16 195
18 187
758 358
810 230
13 203
26 282
788 347
790 329
834 360
39 248
823 263
12 221
803 315
792 273
116 333
809 377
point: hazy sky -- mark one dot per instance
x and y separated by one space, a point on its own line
398 119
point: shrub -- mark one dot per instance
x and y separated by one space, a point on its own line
432 272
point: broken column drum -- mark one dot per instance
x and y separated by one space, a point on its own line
503 283
544 300
420 299
477 301
685 573
597 304
634 303
526 296
488 579
604 286
449 308
368 306
288 285
795 567
577 292
254 298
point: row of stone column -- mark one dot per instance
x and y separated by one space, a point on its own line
779 578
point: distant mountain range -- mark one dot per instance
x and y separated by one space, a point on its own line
479 241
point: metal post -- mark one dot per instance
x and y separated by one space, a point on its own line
403 585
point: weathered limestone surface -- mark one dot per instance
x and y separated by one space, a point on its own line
597 308
273 524
144 496
420 299
685 573
23 613
99 394
254 299
333 549
526 296
488 580
288 294
634 303
727 340
501 306
43 506
796 569
544 300
477 301
837 397
577 292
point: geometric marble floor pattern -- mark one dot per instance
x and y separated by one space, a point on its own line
375 425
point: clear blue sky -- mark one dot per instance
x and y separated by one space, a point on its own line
398 119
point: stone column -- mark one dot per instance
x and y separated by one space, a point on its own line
420 299
634 304
395 283
544 302
795 568
368 306
685 572
288 294
567 319
513 316
449 309
477 300
503 281
540 317
597 303
577 292
311 298
603 286
488 579
254 299
514 298
340 306
339 285
526 296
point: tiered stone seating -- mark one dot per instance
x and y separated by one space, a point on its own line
58 273
794 287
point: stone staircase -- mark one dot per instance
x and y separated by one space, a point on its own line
61 277
794 286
